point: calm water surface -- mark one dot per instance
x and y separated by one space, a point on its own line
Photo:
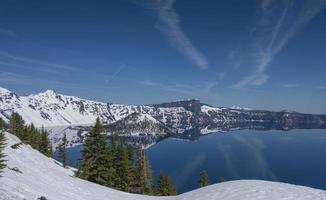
296 156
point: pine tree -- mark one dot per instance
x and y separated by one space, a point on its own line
111 172
142 174
16 124
94 162
112 163
1 124
44 144
123 169
33 135
62 150
2 155
165 186
130 152
203 179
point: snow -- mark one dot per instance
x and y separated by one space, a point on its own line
207 109
42 176
239 108
4 90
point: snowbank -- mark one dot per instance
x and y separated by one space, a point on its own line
37 175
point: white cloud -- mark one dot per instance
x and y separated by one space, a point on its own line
194 90
290 85
169 25
41 65
277 22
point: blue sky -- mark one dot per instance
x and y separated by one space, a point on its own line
261 54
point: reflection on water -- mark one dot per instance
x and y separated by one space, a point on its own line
296 156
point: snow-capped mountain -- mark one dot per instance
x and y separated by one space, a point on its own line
54 111
139 123
30 175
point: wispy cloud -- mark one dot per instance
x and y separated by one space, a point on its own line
194 90
7 32
8 78
290 85
169 25
276 23
257 165
34 64
321 87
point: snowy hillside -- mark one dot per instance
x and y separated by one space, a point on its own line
36 175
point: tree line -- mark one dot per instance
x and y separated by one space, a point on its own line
119 166
114 165
29 134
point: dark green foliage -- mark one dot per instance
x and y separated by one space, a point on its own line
33 136
16 124
2 155
44 144
38 139
123 169
94 162
203 179
118 166
2 124
62 151
165 186
111 164
221 179
42 198
142 174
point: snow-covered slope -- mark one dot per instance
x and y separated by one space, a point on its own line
60 113
36 175
138 123
52 109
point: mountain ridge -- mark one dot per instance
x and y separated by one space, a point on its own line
51 109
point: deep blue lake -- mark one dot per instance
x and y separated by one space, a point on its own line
296 156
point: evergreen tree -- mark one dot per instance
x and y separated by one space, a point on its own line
130 152
33 136
123 169
165 186
111 172
112 163
2 155
94 162
62 150
142 174
16 124
44 144
1 124
203 179
24 137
